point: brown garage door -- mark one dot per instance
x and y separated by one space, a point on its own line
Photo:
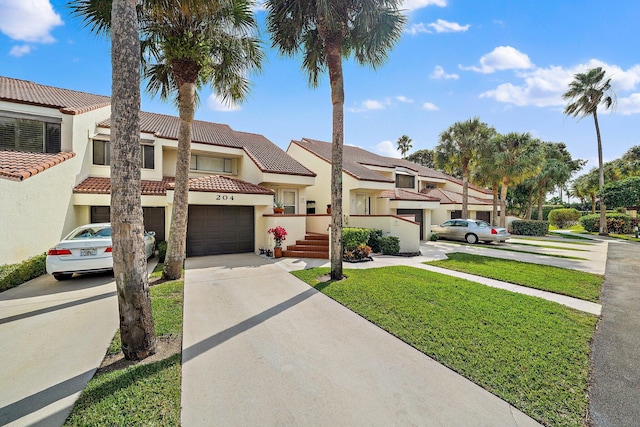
215 230
153 219
418 218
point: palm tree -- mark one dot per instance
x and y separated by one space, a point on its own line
586 92
137 330
459 146
325 32
486 172
516 161
404 145
184 49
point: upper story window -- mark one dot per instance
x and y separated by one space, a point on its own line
211 164
22 134
405 181
101 155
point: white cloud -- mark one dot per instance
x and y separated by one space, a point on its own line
388 148
430 106
417 29
502 58
419 4
369 105
217 104
404 99
442 26
28 20
439 73
20 50
543 87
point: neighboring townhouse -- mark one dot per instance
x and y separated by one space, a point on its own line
378 191
54 175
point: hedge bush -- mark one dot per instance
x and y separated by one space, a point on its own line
353 237
616 223
12 275
374 240
529 227
390 245
546 210
564 218
162 251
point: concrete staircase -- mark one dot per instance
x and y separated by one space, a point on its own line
314 245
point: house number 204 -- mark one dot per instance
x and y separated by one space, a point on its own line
223 197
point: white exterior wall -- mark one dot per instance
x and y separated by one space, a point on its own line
320 192
295 225
407 231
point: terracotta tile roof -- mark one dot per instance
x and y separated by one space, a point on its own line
95 185
450 197
224 184
67 101
400 194
265 154
20 165
356 159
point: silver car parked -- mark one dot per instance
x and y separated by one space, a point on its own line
470 230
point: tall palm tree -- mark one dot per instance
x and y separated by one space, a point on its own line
516 160
404 145
459 146
325 32
184 47
486 172
586 92
137 330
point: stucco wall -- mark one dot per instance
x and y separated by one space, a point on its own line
295 225
407 231
320 192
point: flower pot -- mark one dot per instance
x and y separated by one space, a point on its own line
278 210
328 209
277 252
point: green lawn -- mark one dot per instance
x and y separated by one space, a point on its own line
562 281
530 352
141 394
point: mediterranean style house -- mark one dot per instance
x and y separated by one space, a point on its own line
55 166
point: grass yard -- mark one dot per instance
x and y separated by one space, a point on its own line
562 281
530 352
142 394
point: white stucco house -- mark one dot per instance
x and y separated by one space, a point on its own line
54 175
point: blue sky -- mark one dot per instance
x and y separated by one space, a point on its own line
505 61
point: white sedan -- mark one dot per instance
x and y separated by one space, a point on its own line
470 230
87 249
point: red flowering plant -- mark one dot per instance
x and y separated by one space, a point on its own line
279 234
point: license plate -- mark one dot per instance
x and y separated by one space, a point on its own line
87 252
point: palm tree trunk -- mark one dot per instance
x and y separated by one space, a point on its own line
503 202
603 208
137 330
176 245
494 190
465 191
540 200
336 79
593 203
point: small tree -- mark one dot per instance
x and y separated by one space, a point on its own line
564 218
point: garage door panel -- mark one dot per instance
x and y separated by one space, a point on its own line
214 230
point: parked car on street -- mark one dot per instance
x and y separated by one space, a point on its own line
470 230
87 249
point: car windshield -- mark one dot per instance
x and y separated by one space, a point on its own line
90 233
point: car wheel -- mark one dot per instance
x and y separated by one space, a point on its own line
62 276
471 238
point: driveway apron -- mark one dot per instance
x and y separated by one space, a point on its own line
53 335
260 347
615 351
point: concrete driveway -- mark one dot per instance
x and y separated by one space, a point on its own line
53 335
261 347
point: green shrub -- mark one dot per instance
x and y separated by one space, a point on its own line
360 253
390 245
162 251
529 227
616 223
546 210
353 237
374 240
433 237
564 218
12 275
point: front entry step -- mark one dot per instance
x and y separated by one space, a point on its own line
314 245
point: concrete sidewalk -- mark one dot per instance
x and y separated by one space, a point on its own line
261 347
